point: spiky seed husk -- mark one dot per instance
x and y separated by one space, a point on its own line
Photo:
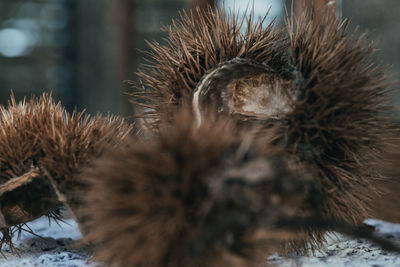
197 43
336 124
26 193
339 124
42 146
72 144
189 196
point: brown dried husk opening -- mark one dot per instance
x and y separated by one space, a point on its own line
42 149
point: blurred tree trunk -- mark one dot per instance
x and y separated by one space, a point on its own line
317 6
204 3
105 38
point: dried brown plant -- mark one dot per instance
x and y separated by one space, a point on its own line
330 96
42 148
193 196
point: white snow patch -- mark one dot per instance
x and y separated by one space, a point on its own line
349 252
56 245
59 246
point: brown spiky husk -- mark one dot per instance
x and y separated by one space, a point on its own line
73 143
193 196
42 148
25 193
337 126
197 43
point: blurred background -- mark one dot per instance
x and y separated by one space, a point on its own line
83 51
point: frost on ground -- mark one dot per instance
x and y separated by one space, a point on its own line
342 251
59 246
54 245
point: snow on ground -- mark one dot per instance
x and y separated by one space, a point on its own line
56 245
59 247
347 252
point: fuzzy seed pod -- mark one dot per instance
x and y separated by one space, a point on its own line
193 196
42 148
311 79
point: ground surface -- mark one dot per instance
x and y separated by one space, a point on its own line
59 246
55 245
342 251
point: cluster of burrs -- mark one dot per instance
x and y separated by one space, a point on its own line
252 139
